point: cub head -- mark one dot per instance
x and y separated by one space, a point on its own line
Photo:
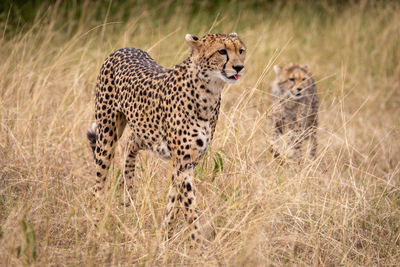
293 80
218 56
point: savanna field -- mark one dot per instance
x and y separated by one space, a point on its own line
342 209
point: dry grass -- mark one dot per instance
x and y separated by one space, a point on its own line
342 209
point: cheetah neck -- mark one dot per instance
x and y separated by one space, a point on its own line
204 90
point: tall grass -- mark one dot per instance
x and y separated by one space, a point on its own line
341 209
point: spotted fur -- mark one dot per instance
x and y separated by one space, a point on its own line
172 112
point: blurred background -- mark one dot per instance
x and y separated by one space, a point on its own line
341 209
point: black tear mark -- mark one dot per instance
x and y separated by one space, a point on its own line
227 59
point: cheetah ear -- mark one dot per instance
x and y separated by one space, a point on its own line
233 34
306 67
277 69
193 41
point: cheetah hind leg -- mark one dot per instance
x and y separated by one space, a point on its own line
103 138
126 182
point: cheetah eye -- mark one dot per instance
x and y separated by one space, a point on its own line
222 51
241 50
291 79
303 79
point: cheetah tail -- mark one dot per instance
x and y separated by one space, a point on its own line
91 135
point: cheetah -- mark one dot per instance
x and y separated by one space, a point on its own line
172 112
295 110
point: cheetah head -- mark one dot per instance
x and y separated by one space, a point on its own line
218 56
293 80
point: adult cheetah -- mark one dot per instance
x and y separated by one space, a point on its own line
295 109
172 112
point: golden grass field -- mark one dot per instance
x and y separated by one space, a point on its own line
342 209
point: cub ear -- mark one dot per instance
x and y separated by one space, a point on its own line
277 69
193 41
306 67
233 34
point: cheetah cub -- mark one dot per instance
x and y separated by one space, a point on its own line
170 111
295 111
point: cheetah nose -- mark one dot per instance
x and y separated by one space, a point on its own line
299 89
238 68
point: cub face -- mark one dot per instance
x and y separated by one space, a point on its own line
294 81
218 56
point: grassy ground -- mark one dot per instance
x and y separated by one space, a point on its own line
342 209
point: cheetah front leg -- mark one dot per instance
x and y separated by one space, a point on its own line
187 202
312 139
183 195
296 141
274 147
172 209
